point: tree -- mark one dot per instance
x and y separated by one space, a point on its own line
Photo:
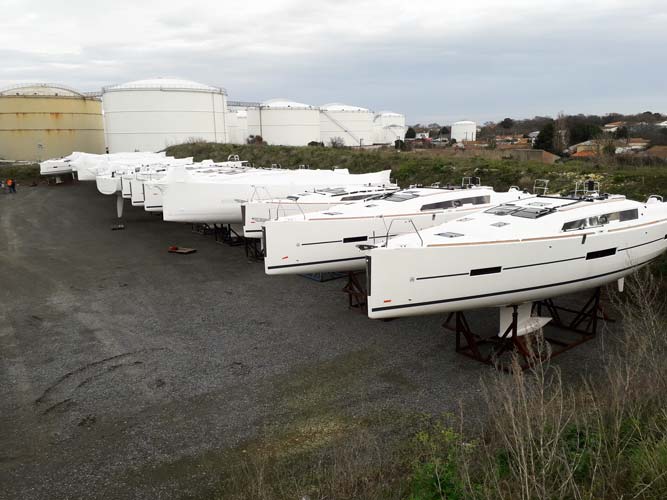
410 133
507 123
445 130
336 142
582 131
621 133
545 139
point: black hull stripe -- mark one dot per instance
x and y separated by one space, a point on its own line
315 262
442 276
640 245
320 243
253 230
545 263
153 206
516 290
539 263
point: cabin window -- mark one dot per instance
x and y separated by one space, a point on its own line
355 197
332 213
574 225
475 200
628 215
441 204
449 235
500 224
601 220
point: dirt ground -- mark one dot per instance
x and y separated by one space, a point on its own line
125 371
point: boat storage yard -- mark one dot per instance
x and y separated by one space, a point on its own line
121 350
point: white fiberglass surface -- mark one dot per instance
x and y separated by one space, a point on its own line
535 217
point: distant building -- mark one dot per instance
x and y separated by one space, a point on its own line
662 124
532 137
657 152
464 131
612 126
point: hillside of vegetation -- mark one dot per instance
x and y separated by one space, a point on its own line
421 167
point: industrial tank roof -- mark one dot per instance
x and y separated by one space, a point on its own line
465 122
336 106
165 84
40 89
285 104
389 113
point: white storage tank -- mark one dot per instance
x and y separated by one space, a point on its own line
464 131
388 127
350 124
284 122
149 115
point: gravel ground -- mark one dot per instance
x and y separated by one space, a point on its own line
124 369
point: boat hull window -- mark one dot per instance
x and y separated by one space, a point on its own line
485 270
355 239
601 253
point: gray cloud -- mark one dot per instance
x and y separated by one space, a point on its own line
482 60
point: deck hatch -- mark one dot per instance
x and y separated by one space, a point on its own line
601 253
449 234
485 270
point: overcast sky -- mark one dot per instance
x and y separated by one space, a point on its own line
434 61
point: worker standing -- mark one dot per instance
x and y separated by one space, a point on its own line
11 185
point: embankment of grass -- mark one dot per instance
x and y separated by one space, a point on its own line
22 173
419 167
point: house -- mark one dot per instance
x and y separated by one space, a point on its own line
662 124
637 143
532 137
585 154
657 152
612 126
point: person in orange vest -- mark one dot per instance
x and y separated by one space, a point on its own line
11 185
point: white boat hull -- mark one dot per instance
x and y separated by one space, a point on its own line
107 184
330 244
446 278
220 202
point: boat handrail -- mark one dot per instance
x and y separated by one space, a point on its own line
255 191
408 219
541 185
468 182
655 196
297 205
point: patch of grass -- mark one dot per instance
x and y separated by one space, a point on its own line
23 173
415 167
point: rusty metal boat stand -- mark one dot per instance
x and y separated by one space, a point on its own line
568 328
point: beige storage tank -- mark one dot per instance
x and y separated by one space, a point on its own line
40 121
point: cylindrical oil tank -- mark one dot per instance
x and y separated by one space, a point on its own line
351 125
149 115
39 121
388 127
242 122
464 131
283 122
237 126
